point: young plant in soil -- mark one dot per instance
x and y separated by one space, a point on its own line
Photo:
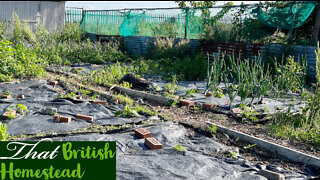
214 73
171 88
178 147
212 130
232 90
305 126
10 114
128 112
21 109
248 114
3 132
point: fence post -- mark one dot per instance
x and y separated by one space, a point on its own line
186 27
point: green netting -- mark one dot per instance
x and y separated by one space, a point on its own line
184 22
293 15
176 23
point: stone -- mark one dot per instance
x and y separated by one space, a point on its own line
49 111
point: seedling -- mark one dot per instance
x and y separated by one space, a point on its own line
232 155
249 146
128 112
212 130
178 147
218 93
190 92
133 151
249 114
21 109
3 132
171 88
6 94
9 114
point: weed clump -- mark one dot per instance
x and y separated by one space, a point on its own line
3 132
178 147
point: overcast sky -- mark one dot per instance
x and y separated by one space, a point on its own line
131 4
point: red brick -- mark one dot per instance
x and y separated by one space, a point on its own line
208 94
78 97
209 106
21 96
84 117
152 143
236 111
142 133
100 102
7 113
184 102
53 83
6 96
61 119
271 175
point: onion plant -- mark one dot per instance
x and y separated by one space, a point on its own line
214 73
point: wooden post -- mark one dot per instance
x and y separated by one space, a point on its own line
186 27
316 29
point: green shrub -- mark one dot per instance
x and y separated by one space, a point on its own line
18 61
163 48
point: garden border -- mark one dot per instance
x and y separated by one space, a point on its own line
133 93
289 153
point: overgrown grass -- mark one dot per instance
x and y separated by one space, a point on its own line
303 126
19 61
108 75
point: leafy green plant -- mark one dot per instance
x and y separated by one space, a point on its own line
22 109
232 155
70 95
3 132
212 130
248 114
302 127
10 114
172 87
124 99
249 146
232 91
19 61
128 112
178 147
163 48
218 93
190 92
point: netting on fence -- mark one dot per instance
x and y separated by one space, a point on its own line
187 22
293 15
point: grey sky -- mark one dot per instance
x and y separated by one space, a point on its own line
131 4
